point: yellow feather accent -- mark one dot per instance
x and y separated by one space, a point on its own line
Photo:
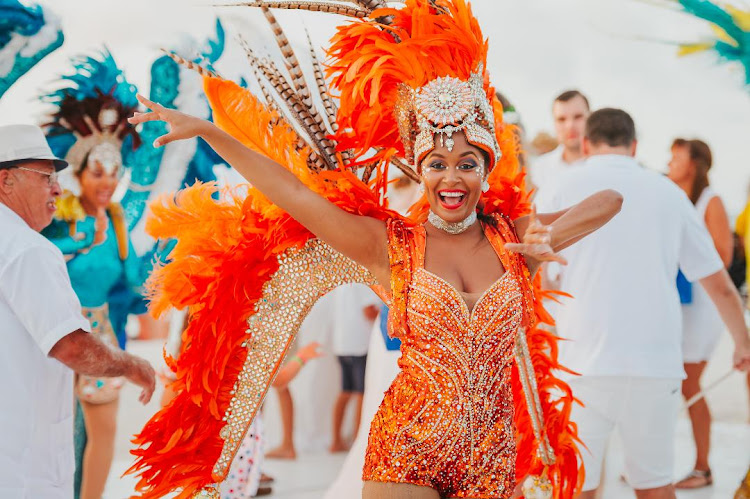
741 17
68 208
692 48
723 36
117 214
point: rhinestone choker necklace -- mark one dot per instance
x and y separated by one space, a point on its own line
450 227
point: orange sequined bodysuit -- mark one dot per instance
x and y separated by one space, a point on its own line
446 422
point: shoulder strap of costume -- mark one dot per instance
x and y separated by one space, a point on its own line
403 258
505 232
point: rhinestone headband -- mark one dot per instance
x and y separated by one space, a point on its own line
444 106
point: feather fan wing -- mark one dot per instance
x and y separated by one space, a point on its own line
248 281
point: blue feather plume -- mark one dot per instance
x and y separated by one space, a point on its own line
27 35
96 81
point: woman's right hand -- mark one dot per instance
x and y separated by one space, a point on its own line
181 126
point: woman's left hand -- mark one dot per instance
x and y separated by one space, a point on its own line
537 242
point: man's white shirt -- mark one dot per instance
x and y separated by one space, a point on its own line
624 318
38 307
546 168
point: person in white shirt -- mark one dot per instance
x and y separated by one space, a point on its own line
355 307
624 320
45 337
569 112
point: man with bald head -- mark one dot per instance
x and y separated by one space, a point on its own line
45 336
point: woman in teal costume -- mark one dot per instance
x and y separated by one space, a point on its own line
90 131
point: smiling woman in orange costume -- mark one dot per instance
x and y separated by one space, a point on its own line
467 414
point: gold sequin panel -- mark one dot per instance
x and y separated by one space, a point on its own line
447 420
304 275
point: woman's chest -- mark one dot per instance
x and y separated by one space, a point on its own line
436 311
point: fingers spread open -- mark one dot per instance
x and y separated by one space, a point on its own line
559 259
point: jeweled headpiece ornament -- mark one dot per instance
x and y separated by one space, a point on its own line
90 122
421 76
444 106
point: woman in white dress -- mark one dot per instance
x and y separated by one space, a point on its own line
702 325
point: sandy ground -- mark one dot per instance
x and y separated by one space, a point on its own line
309 476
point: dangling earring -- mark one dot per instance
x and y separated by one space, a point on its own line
485 185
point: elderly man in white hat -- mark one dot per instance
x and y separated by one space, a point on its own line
45 337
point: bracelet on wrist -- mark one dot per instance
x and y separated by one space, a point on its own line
297 358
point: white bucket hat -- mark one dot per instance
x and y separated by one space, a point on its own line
20 143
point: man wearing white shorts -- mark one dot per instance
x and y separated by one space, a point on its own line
624 320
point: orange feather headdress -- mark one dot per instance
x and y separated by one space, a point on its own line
422 74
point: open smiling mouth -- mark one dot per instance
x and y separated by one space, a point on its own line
452 199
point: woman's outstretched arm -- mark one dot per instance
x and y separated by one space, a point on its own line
544 235
363 239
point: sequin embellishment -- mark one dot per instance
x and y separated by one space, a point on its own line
304 275
447 420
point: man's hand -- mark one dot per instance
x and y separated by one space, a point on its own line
86 354
142 374
720 288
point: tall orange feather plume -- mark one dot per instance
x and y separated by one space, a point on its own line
368 65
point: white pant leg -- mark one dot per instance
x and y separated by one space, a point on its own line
602 398
647 427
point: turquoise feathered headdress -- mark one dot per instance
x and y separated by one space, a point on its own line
91 113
